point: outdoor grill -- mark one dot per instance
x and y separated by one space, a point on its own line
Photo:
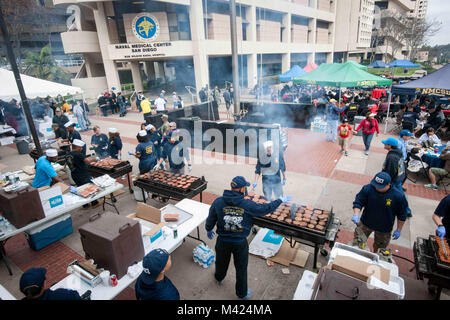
304 234
165 184
114 171
430 262
34 154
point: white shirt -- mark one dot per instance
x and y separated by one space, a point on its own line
160 104
433 138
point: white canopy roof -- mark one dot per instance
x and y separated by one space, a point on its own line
34 87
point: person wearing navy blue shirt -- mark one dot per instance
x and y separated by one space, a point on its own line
271 168
175 151
114 144
441 217
154 137
152 283
99 141
394 165
145 152
77 163
73 134
32 286
233 216
382 205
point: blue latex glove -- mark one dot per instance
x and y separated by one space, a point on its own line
130 153
396 234
441 232
254 185
189 168
284 182
210 234
285 199
355 218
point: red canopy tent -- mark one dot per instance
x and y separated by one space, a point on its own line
310 67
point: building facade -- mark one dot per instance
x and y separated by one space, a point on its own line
187 42
420 9
354 24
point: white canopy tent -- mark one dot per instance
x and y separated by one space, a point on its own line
34 87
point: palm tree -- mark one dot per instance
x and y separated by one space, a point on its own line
43 66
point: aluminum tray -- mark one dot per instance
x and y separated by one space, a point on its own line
170 208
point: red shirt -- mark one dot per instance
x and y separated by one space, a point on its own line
344 130
365 124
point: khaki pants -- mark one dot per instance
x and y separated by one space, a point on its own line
362 233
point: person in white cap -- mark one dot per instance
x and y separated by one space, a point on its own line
114 144
45 173
145 152
155 137
73 134
160 104
271 167
369 126
77 163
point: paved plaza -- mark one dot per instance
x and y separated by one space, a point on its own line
317 174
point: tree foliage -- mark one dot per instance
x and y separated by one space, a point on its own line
25 19
43 66
416 34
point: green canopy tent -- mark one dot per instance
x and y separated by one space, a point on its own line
344 75
356 64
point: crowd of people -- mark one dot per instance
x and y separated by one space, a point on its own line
12 114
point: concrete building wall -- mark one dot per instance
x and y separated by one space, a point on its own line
163 27
219 27
277 37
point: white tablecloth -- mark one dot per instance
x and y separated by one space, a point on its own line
71 202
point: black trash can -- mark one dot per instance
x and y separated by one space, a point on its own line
22 145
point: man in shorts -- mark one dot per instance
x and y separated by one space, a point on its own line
344 135
439 173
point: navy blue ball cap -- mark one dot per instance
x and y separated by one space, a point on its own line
381 180
34 277
153 263
239 182
406 133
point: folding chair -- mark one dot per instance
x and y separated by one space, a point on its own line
423 170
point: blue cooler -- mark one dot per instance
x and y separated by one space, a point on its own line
49 232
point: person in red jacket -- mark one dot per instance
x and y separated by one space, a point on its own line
344 131
369 125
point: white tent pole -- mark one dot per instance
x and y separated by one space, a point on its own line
389 107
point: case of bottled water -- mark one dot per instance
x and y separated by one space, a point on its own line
203 255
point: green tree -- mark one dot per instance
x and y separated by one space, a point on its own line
43 66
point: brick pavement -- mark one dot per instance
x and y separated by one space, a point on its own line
412 189
308 153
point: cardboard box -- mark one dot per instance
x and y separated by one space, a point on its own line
287 255
64 187
359 269
151 214
51 199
